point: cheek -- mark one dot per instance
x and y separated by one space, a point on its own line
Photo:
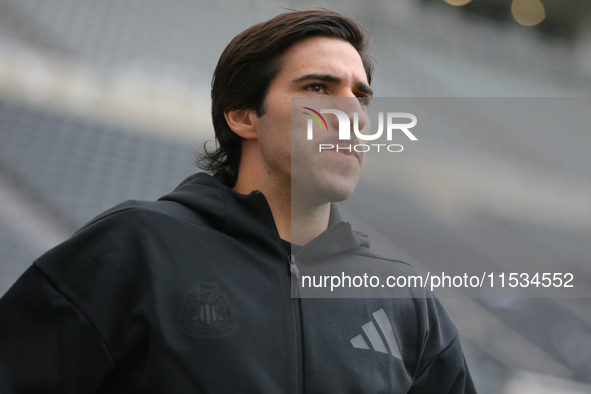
274 140
304 152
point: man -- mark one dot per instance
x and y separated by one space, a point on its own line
192 293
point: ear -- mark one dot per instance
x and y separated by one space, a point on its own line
243 122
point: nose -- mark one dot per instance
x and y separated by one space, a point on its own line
349 117
356 112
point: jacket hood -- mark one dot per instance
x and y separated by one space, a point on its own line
246 216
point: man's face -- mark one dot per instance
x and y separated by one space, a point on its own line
318 67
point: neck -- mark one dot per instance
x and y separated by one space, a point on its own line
296 223
307 222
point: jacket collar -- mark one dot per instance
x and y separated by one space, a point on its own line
248 218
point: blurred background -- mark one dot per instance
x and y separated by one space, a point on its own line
106 101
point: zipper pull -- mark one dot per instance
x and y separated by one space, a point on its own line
293 268
295 275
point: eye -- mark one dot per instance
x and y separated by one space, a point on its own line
316 88
364 100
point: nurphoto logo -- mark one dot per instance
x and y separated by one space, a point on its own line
345 129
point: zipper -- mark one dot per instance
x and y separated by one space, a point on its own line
296 304
295 276
297 309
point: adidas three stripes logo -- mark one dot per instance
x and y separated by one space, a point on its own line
372 333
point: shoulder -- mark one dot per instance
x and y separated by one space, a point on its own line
118 246
400 279
370 255
132 212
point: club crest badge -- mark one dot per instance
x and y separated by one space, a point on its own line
207 312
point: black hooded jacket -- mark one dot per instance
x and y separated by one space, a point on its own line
192 294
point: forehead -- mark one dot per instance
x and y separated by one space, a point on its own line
323 55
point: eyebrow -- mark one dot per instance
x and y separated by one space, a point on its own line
361 86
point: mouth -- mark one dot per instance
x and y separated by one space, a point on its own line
345 151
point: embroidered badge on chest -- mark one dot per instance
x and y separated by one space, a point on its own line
207 312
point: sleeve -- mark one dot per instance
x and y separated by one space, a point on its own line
46 344
447 373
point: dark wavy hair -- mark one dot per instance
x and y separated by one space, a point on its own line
252 60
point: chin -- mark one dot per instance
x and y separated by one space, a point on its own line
336 190
324 191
